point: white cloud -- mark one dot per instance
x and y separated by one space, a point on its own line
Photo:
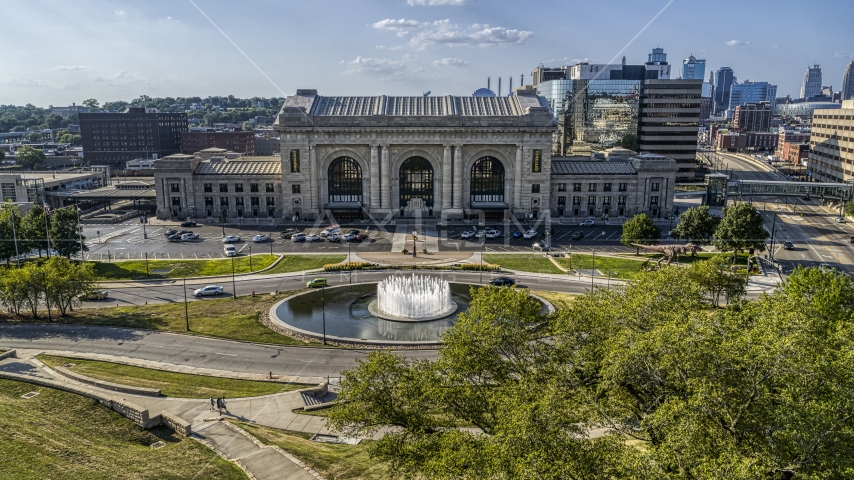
120 12
568 61
774 46
840 54
443 32
436 3
392 48
736 43
122 77
385 68
450 62
70 67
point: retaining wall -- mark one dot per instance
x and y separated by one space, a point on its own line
151 392
9 354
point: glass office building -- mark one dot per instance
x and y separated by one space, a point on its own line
593 115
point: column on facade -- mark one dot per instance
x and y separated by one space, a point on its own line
517 187
386 179
312 191
375 178
446 179
458 176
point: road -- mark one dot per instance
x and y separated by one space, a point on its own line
166 291
189 350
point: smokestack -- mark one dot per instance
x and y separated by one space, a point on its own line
510 88
499 86
488 81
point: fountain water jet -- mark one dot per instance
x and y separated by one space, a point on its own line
416 298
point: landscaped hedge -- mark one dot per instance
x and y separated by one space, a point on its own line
344 267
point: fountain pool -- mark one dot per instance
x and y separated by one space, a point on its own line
415 298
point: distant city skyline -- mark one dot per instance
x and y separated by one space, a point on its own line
61 53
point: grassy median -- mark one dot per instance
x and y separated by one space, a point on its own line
298 263
135 269
331 460
534 262
60 435
179 385
238 319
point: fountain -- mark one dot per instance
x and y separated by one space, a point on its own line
417 298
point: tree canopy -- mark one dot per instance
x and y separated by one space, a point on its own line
640 229
696 225
29 157
640 381
741 228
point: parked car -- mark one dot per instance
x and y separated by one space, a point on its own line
182 232
189 236
517 234
577 235
288 233
361 237
840 219
316 283
329 231
531 234
353 232
312 238
333 237
467 234
350 237
540 246
502 281
231 239
298 237
188 224
493 234
826 268
586 223
209 290
170 232
174 237
788 246
260 238
94 295
230 251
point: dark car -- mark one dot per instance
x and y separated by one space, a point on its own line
577 235
502 281
541 247
181 232
788 246
288 233
354 232
188 224
170 232
361 237
517 234
174 238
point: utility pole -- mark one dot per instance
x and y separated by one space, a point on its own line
323 303
186 308
233 284
593 270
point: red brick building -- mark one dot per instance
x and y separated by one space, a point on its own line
236 141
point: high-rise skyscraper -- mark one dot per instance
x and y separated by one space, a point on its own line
693 69
752 92
812 82
723 87
848 82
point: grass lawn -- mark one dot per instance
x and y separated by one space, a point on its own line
296 263
334 462
225 318
628 267
170 384
556 298
524 263
135 269
59 435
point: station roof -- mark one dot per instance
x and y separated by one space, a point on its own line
273 166
574 167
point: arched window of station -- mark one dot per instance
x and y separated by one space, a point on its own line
416 181
345 180
487 180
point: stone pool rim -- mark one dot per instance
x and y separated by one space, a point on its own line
274 318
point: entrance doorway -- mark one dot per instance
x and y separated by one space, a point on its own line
416 181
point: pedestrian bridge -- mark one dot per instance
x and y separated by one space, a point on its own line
719 187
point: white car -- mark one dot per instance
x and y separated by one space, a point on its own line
349 237
231 239
260 238
840 219
467 234
586 223
312 238
329 231
530 234
189 236
230 251
493 234
209 290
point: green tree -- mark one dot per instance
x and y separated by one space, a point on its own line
741 228
92 104
696 225
10 228
65 232
34 137
65 281
639 229
33 230
29 157
716 279
54 121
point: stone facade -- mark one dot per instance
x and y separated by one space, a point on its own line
382 133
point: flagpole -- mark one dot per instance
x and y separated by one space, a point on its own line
80 234
15 236
46 231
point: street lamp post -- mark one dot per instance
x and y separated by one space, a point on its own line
193 207
570 257
482 242
224 214
773 230
323 303
414 240
233 284
147 271
349 262
186 308
15 237
250 258
593 270
46 231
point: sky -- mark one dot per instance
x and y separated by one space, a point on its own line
56 53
